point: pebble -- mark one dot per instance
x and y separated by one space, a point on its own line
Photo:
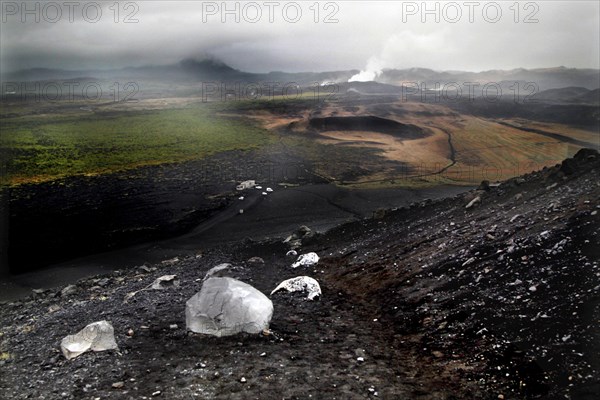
118 385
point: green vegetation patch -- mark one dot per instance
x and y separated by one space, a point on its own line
45 147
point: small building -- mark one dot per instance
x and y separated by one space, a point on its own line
246 185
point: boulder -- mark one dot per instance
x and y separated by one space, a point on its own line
226 306
97 336
256 260
300 284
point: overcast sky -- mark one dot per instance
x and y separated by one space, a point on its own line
368 35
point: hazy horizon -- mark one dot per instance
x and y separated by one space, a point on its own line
198 59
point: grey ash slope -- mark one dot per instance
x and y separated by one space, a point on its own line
440 301
512 284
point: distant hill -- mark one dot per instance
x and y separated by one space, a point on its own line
544 78
194 70
562 95
591 97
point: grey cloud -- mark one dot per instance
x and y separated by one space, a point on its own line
367 33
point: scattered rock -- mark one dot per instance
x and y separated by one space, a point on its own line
300 284
473 202
97 336
469 261
484 185
171 261
146 269
291 253
69 290
54 308
295 239
306 260
304 231
221 270
379 213
226 306
37 293
104 282
165 282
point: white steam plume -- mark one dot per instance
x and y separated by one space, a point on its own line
373 70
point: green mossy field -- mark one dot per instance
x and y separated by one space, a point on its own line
37 148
